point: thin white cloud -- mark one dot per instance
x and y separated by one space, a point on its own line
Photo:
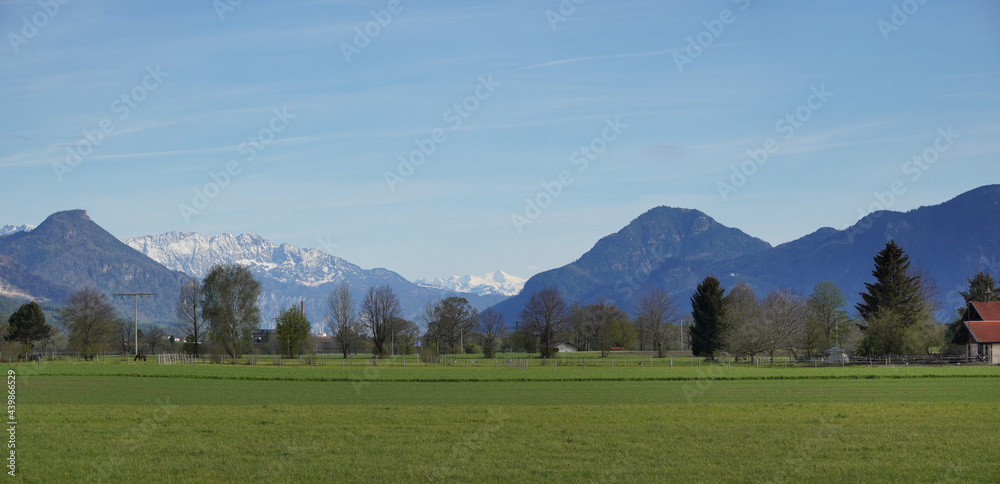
598 57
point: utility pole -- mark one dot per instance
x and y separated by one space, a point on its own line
135 297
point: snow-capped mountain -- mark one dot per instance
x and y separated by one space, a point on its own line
288 274
194 254
13 229
491 283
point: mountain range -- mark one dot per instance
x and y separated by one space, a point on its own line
289 274
12 229
69 251
497 283
669 248
675 248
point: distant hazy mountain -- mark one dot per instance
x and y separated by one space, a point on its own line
675 249
288 274
13 229
492 283
68 251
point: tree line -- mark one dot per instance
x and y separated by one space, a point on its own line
894 316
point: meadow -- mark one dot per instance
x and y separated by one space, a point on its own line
146 422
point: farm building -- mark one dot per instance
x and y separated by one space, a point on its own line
980 332
565 346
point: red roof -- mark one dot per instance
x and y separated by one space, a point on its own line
984 331
988 311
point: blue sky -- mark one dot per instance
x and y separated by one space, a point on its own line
202 84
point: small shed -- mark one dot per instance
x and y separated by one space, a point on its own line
837 355
565 347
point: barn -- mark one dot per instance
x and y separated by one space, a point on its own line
980 332
565 346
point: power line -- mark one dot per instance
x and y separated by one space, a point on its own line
135 297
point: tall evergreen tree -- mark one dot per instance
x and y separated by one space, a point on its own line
894 289
28 325
982 288
707 307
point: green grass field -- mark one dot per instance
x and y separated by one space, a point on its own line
146 422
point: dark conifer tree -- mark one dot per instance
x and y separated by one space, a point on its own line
894 289
707 307
27 325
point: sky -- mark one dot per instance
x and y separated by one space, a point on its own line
454 137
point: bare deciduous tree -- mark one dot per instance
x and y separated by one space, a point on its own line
545 316
453 318
379 312
90 317
190 323
579 324
342 320
404 336
608 325
124 335
657 311
784 314
490 325
745 332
